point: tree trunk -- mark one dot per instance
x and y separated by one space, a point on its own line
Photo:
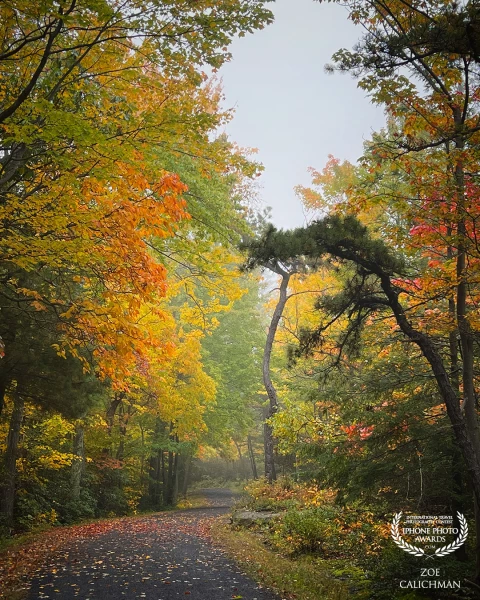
252 457
446 389
156 480
10 461
269 449
142 456
464 329
239 450
269 445
171 489
124 417
110 418
175 479
153 480
112 409
456 458
163 470
243 473
457 503
168 493
3 389
186 474
78 463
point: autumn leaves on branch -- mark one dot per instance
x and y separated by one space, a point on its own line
111 167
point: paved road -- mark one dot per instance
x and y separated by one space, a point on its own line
160 557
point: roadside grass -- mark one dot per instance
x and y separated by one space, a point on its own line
10 543
302 578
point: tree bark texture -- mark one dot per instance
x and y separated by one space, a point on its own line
252 457
10 461
186 474
78 464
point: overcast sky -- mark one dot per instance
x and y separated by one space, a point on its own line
288 107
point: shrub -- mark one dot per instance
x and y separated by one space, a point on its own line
108 487
285 494
331 531
308 530
72 511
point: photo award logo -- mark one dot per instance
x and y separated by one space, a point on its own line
429 530
429 536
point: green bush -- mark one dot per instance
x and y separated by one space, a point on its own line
330 531
72 511
108 487
33 510
309 530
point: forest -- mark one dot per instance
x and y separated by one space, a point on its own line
158 334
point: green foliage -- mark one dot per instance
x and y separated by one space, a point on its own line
233 357
308 531
72 511
304 578
330 531
343 237
34 510
108 487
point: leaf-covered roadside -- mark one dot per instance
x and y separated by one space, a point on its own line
21 560
170 553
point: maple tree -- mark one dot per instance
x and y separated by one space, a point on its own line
110 167
82 181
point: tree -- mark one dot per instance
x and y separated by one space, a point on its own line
432 144
233 355
81 180
34 373
284 263
375 285
61 43
103 109
434 29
